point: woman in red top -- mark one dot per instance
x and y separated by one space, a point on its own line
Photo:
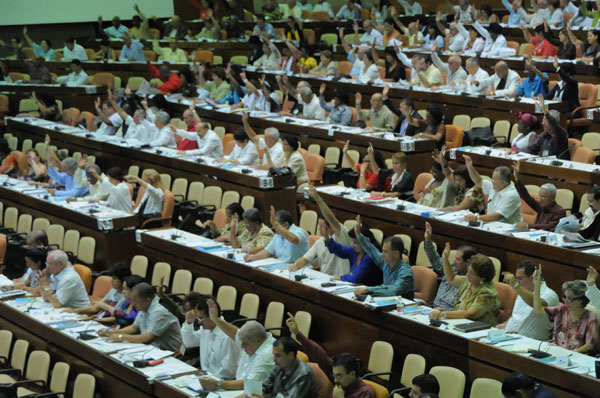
205 8
368 177
543 48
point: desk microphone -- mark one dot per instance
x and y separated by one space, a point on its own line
86 336
558 162
141 363
298 278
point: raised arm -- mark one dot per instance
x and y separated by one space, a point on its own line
348 158
447 267
325 210
537 283
473 173
27 38
526 33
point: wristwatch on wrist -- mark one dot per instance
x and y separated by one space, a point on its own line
120 337
219 385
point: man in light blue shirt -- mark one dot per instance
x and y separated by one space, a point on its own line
115 30
132 50
290 242
398 279
514 18
350 11
536 82
69 290
263 28
77 77
66 178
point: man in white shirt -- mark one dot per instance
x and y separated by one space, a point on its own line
540 14
371 34
504 82
271 58
495 42
111 121
139 128
475 74
117 29
84 178
351 10
305 5
69 290
524 320
454 70
270 143
291 9
311 107
119 192
411 7
324 5
166 133
256 359
568 7
464 11
592 292
244 152
219 355
207 140
504 203
73 50
77 77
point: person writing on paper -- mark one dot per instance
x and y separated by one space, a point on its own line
219 355
548 211
575 327
256 235
398 277
343 370
69 290
289 244
504 203
592 292
290 377
468 196
524 320
154 324
446 294
107 304
477 298
256 359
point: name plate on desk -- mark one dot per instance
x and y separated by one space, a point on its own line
265 182
90 89
105 224
407 146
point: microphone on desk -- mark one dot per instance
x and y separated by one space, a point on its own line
85 335
558 162
298 278
143 363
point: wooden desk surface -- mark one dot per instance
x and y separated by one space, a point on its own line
112 246
281 196
338 324
79 97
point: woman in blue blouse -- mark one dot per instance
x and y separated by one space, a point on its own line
362 269
44 49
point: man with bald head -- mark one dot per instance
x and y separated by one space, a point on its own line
175 30
380 115
504 82
454 70
117 29
207 140
257 355
69 290
371 34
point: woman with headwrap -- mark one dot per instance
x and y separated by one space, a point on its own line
527 124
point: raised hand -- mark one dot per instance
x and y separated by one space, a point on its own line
47 140
346 146
273 217
555 62
292 324
83 161
357 226
25 30
322 89
592 276
468 160
357 99
428 231
447 249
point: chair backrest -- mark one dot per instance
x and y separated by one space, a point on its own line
422 258
323 386
88 118
85 385
228 198
425 283
526 49
451 380
479 122
420 183
104 79
381 358
212 196
3 103
513 44
102 285
179 188
166 180
414 365
304 320
247 202
315 166
196 191
24 224
86 250
501 129
484 387
591 141
6 337
220 218
463 121
19 355
139 265
11 218
344 67
377 234
182 282
274 316
574 144
85 273
249 305
56 235
60 376
308 221
203 286
332 156
407 240
71 116
226 297
204 56
454 136
38 366
161 270
320 16
565 198
507 297
587 94
353 154
380 391
168 206
40 224
584 155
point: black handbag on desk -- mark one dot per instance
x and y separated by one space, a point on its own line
280 172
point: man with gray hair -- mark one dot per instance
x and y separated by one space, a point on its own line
36 238
164 135
311 108
548 211
85 178
111 120
454 70
476 73
154 324
379 115
554 140
269 144
257 356
504 203
69 290
504 81
65 177
208 142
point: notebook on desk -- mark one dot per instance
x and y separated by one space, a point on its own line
472 326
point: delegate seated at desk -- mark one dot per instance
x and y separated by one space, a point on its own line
219 355
477 298
154 324
379 115
69 290
575 327
504 203
244 152
206 140
77 77
256 359
64 177
524 320
270 144
256 235
289 244
398 277
554 140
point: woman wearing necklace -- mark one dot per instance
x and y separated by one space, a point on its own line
575 327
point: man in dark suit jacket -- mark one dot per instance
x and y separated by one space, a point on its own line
402 127
567 89
176 26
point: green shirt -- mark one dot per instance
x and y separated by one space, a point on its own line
213 33
217 93
382 119
485 297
